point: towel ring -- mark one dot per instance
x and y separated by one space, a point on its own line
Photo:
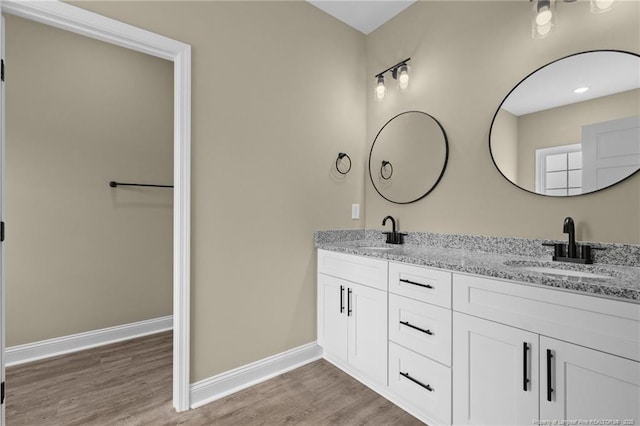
341 155
383 167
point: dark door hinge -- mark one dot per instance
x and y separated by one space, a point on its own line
2 70
2 390
1 231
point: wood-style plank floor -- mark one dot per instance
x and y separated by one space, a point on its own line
129 383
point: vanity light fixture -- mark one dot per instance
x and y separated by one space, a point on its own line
543 17
399 71
543 14
580 90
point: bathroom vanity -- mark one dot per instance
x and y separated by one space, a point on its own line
464 337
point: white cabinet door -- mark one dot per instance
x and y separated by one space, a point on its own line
421 327
587 385
421 383
332 318
367 330
495 380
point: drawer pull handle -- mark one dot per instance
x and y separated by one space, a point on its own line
349 310
341 299
415 283
549 388
406 375
429 332
525 379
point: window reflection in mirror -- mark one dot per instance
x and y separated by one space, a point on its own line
573 126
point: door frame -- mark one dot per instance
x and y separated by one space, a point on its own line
74 19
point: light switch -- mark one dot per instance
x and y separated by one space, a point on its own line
355 211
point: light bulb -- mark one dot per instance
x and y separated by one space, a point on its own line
599 6
544 16
580 90
403 77
543 30
380 89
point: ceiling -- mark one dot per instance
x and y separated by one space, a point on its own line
363 15
604 73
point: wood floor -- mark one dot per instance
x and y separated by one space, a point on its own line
129 383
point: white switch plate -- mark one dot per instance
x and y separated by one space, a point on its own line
355 211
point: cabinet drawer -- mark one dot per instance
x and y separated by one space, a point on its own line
434 401
421 327
358 269
424 284
607 325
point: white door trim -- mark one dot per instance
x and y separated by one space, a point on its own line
89 24
2 326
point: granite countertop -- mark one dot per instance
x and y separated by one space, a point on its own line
617 282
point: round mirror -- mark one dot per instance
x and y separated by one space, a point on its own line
408 157
571 127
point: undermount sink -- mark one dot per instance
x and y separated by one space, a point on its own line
564 272
376 248
552 269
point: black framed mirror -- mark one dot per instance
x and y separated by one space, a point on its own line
572 126
408 157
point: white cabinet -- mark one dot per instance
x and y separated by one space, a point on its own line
452 347
420 384
491 367
367 331
568 381
352 317
495 373
581 383
423 284
420 341
421 327
332 321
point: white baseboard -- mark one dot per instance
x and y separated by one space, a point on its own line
216 387
21 354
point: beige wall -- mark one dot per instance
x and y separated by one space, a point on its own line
466 56
504 144
79 255
278 91
563 126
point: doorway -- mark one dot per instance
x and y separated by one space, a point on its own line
85 23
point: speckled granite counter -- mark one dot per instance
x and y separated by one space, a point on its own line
617 282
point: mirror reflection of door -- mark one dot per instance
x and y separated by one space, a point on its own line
611 152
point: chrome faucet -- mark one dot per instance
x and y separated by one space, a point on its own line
393 237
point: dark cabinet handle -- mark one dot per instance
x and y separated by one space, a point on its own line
406 375
549 388
525 379
349 302
341 299
415 283
429 332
